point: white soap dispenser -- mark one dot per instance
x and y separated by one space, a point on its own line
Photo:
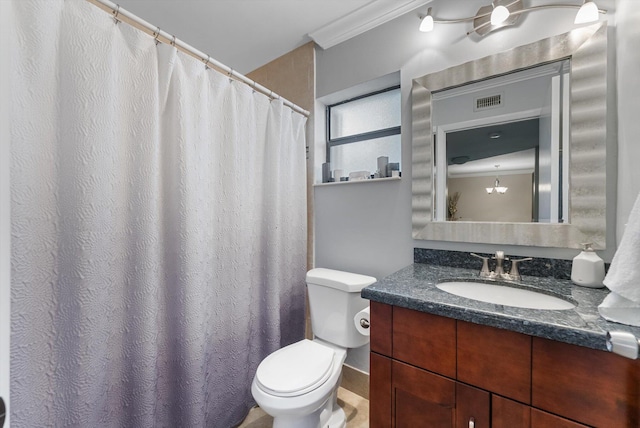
587 269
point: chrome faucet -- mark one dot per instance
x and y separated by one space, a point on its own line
514 273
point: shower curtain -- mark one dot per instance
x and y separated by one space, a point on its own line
158 228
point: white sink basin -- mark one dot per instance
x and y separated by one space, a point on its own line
504 295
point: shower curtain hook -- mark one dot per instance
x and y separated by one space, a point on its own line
116 13
231 75
173 41
156 34
206 64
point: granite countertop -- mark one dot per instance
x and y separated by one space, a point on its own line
414 287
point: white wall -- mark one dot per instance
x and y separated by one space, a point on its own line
5 232
368 229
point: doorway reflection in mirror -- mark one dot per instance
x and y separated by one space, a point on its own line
519 121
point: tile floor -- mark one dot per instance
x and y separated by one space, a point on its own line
355 407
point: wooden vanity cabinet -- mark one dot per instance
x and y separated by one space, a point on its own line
433 371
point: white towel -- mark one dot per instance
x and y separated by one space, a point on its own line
618 309
623 277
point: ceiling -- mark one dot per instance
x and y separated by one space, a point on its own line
246 34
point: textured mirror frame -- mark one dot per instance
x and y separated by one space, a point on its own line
587 49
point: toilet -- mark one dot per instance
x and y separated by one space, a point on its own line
298 384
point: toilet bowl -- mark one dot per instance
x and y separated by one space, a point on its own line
298 384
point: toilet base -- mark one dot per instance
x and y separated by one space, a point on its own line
330 415
338 419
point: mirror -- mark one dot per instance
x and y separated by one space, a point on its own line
501 148
580 213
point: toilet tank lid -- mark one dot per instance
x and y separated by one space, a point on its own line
350 282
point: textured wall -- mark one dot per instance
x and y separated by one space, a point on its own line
293 76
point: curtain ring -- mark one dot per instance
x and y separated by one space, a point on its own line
230 73
206 63
173 41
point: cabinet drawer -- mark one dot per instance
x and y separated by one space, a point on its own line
590 386
381 325
425 340
496 360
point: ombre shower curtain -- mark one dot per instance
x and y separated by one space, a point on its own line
158 228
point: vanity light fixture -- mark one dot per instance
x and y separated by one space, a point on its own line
499 14
427 22
496 185
502 13
588 12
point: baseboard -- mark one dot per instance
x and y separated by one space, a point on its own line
355 381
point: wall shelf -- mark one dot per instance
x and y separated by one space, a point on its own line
371 180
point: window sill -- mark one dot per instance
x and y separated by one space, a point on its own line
371 180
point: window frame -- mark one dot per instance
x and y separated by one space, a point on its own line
370 135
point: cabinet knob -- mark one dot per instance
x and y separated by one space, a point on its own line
472 423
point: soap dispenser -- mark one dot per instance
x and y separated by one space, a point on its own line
587 269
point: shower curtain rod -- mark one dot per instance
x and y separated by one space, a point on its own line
124 15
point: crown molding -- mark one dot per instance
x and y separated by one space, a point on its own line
363 19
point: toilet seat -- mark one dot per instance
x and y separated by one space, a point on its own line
295 369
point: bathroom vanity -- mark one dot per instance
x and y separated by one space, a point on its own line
441 360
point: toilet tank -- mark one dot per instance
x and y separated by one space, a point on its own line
334 300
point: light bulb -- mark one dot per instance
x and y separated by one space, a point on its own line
427 22
499 15
587 13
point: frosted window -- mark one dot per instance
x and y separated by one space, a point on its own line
363 155
379 111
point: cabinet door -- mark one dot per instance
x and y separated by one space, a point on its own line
540 419
509 414
421 398
379 391
472 407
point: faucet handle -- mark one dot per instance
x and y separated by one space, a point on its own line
484 272
514 273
